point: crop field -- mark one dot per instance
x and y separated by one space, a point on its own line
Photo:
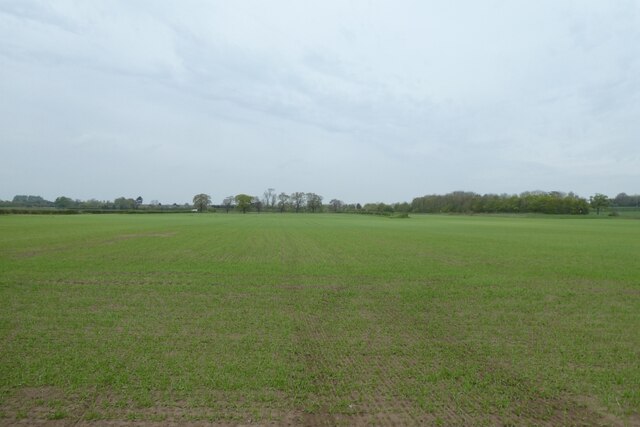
319 320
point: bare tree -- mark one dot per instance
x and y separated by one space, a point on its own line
336 204
297 200
314 202
257 203
229 203
283 201
269 198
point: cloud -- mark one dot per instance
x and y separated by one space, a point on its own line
416 97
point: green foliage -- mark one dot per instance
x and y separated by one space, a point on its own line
201 202
37 211
402 207
400 215
626 200
379 208
124 203
529 202
30 201
63 202
93 204
598 202
243 202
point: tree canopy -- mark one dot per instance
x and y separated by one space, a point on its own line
552 202
201 202
536 202
599 201
243 202
297 200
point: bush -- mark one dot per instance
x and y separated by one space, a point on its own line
27 211
400 215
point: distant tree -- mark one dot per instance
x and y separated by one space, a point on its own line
599 201
269 199
402 207
228 203
314 202
370 207
139 200
63 202
273 198
94 204
621 199
626 200
124 203
31 201
283 201
379 208
20 199
298 200
358 206
201 202
257 203
554 202
336 204
243 202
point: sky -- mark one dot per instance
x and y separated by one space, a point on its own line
362 101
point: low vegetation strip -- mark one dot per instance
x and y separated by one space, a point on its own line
319 319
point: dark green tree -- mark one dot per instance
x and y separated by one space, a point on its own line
31 201
63 202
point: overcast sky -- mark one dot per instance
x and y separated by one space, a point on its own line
362 101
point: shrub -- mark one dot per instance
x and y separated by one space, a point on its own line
400 215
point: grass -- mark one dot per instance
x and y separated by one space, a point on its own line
306 319
624 212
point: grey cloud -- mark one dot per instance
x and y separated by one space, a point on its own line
417 97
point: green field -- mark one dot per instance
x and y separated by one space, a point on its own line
319 319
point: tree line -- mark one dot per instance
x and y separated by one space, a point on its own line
553 202
270 201
462 202
63 202
528 202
